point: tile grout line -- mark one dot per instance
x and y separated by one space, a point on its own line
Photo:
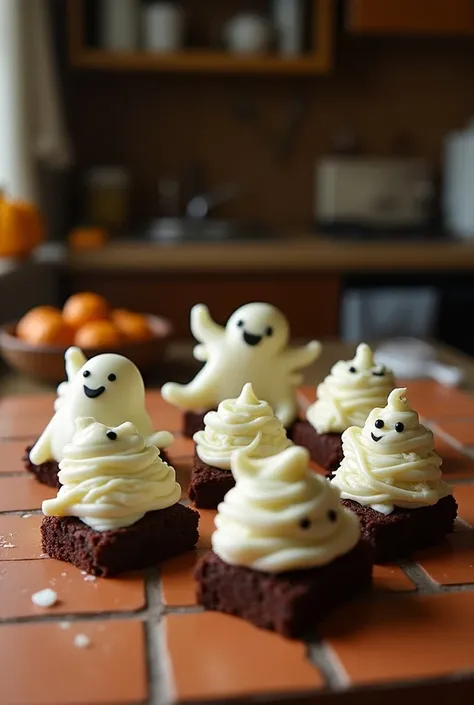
326 661
157 669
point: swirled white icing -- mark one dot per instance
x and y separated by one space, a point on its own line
280 516
391 461
110 478
236 424
350 392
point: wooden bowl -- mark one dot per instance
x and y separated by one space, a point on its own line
46 362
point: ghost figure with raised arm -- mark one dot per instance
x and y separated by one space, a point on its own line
74 359
253 347
108 388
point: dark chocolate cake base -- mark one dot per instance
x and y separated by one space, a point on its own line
289 603
397 535
159 535
193 421
324 448
46 473
208 485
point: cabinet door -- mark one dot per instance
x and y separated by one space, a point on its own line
435 17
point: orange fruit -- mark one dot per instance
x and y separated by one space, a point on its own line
37 313
88 238
98 334
85 307
133 326
45 327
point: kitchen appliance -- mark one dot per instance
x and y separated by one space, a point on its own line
458 203
384 194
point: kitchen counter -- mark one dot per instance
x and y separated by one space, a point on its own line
299 253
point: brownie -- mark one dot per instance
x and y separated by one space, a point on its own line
159 535
324 448
46 473
208 485
290 603
193 421
397 535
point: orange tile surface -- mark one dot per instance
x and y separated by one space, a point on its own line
452 562
456 465
40 665
392 636
163 415
306 396
464 495
23 493
177 580
183 474
182 448
462 430
11 453
77 593
391 578
234 658
206 527
434 401
406 637
20 537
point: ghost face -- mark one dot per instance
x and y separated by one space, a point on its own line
357 374
258 326
110 381
388 427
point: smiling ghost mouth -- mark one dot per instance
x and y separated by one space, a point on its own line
251 339
375 438
93 393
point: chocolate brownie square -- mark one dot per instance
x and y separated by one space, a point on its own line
46 473
289 603
208 485
324 448
397 535
193 421
159 535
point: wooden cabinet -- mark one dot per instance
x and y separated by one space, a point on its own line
429 17
211 58
310 300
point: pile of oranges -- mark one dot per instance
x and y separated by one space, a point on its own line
86 320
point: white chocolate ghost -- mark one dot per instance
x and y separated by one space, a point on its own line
350 392
253 347
108 388
391 461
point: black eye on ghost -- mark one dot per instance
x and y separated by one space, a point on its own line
112 377
306 523
240 324
379 423
86 373
379 373
353 370
111 435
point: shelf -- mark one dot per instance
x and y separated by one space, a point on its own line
198 62
205 61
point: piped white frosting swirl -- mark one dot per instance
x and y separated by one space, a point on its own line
391 462
280 516
110 478
236 424
350 392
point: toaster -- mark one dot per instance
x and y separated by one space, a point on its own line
373 193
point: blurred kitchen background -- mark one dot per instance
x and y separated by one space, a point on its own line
311 153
